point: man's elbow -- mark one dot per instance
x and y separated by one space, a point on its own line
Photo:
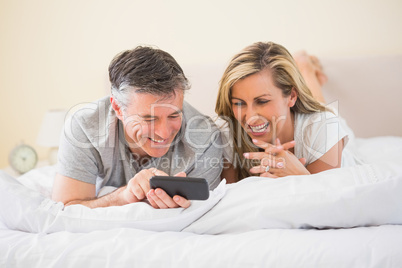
70 191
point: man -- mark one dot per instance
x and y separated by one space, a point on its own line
143 129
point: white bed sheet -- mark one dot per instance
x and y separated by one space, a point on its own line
357 247
375 246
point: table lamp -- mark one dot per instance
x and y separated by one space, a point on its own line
50 131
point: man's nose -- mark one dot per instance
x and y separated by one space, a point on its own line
162 129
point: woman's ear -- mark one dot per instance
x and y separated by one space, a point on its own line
292 98
117 109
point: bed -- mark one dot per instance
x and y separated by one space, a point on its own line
348 217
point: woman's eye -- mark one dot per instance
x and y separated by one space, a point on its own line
238 104
262 101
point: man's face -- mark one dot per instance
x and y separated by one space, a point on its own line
152 122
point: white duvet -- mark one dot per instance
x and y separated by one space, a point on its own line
344 217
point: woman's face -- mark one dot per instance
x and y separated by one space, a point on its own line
261 109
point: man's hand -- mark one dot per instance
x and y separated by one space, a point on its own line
138 186
71 192
138 189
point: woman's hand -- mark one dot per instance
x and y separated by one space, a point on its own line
277 161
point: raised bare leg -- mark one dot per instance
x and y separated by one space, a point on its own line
312 72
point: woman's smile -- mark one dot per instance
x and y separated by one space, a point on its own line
259 129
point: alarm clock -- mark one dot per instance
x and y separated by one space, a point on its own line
23 158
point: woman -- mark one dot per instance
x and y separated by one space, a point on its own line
275 126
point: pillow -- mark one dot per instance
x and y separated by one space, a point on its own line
39 179
339 198
3 226
26 210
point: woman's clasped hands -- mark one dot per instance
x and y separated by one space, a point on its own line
276 161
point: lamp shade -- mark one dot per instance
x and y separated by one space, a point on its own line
50 130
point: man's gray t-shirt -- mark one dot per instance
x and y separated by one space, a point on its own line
93 148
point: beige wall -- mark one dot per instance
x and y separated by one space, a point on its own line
54 54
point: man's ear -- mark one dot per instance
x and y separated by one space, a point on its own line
292 98
117 109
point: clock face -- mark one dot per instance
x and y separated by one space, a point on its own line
23 158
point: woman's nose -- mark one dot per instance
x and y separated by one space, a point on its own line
250 114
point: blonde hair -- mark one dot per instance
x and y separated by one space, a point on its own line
286 76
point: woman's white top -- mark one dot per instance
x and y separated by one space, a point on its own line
315 134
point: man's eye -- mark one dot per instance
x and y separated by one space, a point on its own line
175 116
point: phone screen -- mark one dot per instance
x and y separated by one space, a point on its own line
187 187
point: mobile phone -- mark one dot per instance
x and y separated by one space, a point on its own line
189 188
